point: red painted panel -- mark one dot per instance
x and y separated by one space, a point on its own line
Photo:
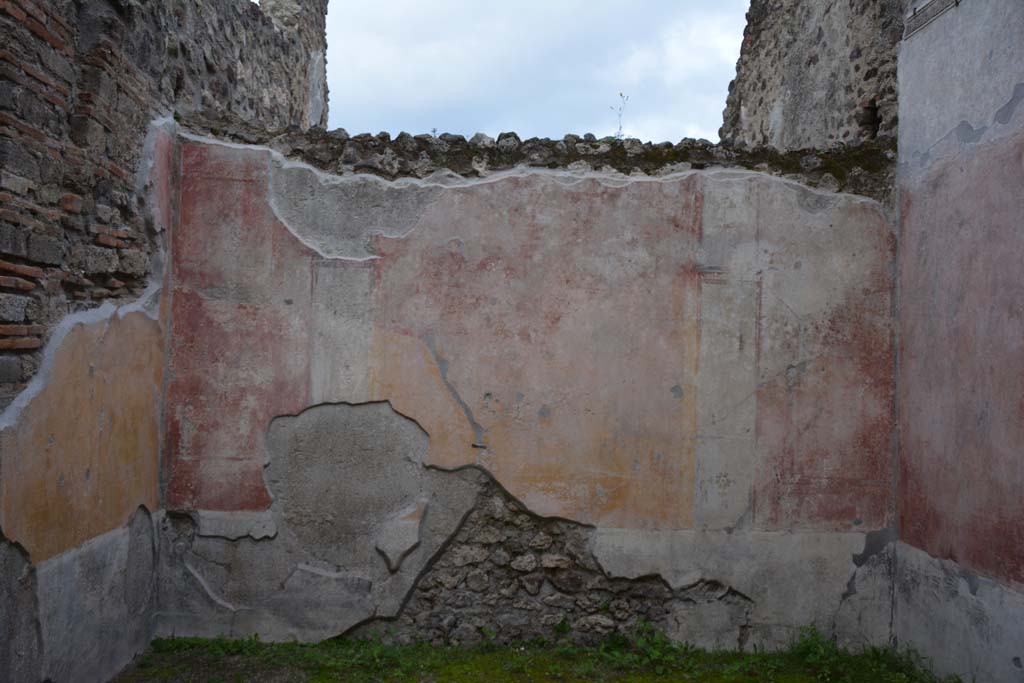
825 426
961 491
235 330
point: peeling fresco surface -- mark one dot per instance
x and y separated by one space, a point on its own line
570 334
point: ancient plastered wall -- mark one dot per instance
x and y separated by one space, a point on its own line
79 477
79 85
961 487
815 73
82 454
695 352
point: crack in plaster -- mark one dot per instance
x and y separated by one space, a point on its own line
442 366
209 591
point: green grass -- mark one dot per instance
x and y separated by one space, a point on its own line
646 656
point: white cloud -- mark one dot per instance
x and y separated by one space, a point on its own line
699 44
540 68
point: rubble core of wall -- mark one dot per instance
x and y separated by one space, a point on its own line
815 74
510 575
867 169
79 84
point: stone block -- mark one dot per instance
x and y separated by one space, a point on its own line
12 308
44 249
91 259
13 240
10 372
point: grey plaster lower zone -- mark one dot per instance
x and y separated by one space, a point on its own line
363 537
95 603
356 518
965 624
82 615
837 582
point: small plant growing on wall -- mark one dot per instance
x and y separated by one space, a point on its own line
619 111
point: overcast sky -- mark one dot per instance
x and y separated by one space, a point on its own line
537 67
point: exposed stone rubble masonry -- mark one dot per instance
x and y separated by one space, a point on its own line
815 74
509 575
865 169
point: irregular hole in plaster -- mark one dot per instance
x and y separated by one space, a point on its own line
508 574
868 119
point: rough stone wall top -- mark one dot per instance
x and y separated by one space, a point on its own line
815 73
79 84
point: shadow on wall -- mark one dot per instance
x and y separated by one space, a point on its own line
53 610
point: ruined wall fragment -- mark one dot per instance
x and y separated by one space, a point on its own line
567 333
961 564
815 74
79 468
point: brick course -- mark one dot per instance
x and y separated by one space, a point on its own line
79 85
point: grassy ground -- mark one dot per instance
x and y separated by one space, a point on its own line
646 657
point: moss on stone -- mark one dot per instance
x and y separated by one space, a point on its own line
866 169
